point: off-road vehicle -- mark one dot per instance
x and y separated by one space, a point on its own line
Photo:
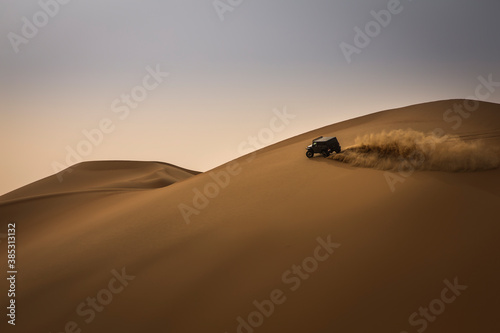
324 145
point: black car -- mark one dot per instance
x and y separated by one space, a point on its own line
323 145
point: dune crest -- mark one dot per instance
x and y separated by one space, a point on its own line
410 149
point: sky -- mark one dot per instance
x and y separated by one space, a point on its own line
192 82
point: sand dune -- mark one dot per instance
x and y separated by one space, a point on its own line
103 176
276 242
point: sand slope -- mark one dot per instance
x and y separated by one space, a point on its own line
393 249
103 176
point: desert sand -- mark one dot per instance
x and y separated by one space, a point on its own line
410 250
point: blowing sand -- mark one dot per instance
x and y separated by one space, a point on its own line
282 244
401 149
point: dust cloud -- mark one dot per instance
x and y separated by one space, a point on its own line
404 149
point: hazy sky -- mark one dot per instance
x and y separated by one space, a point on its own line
67 67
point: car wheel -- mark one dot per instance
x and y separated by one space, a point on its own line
309 153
